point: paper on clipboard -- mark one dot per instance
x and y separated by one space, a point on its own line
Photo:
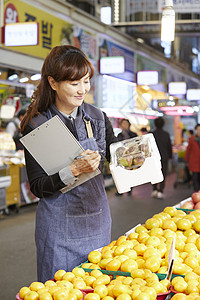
54 147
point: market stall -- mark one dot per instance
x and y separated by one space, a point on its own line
14 186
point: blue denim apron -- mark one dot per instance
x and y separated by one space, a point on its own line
70 225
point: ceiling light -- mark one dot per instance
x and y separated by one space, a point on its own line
140 40
168 22
196 108
13 77
116 11
106 14
189 110
24 79
35 77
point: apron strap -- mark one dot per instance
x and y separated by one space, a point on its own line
88 128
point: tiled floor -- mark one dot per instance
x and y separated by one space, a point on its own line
17 248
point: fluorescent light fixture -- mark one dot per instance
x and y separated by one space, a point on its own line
177 88
36 77
141 41
13 77
193 94
116 11
178 110
106 15
21 34
168 22
147 77
196 108
24 79
112 65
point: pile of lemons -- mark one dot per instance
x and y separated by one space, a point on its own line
142 253
142 285
149 245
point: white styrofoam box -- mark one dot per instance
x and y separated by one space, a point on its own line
150 171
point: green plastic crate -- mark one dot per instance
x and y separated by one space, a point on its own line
185 210
161 276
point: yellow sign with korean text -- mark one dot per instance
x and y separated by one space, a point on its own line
52 31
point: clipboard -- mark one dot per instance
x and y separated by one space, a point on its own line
54 147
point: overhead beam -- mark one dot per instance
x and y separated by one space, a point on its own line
156 22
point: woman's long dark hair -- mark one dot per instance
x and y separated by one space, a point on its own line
63 63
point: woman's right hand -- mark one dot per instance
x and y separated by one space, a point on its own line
86 164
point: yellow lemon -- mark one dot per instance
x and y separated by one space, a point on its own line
152 263
132 236
113 265
35 286
94 257
23 291
32 295
180 286
124 297
169 224
149 291
78 293
131 253
129 265
96 273
59 274
42 290
140 228
45 296
92 296
179 296
170 210
140 248
153 241
101 290
152 223
119 289
191 261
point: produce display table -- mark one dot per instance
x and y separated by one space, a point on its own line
160 257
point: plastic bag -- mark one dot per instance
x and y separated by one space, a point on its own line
130 154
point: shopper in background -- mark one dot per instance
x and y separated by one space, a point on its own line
190 133
192 157
165 148
13 128
143 130
126 133
69 225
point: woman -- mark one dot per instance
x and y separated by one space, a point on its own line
69 225
192 157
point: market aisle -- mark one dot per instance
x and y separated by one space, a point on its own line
17 248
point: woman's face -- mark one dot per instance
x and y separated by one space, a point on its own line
70 94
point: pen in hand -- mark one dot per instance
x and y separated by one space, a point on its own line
81 156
